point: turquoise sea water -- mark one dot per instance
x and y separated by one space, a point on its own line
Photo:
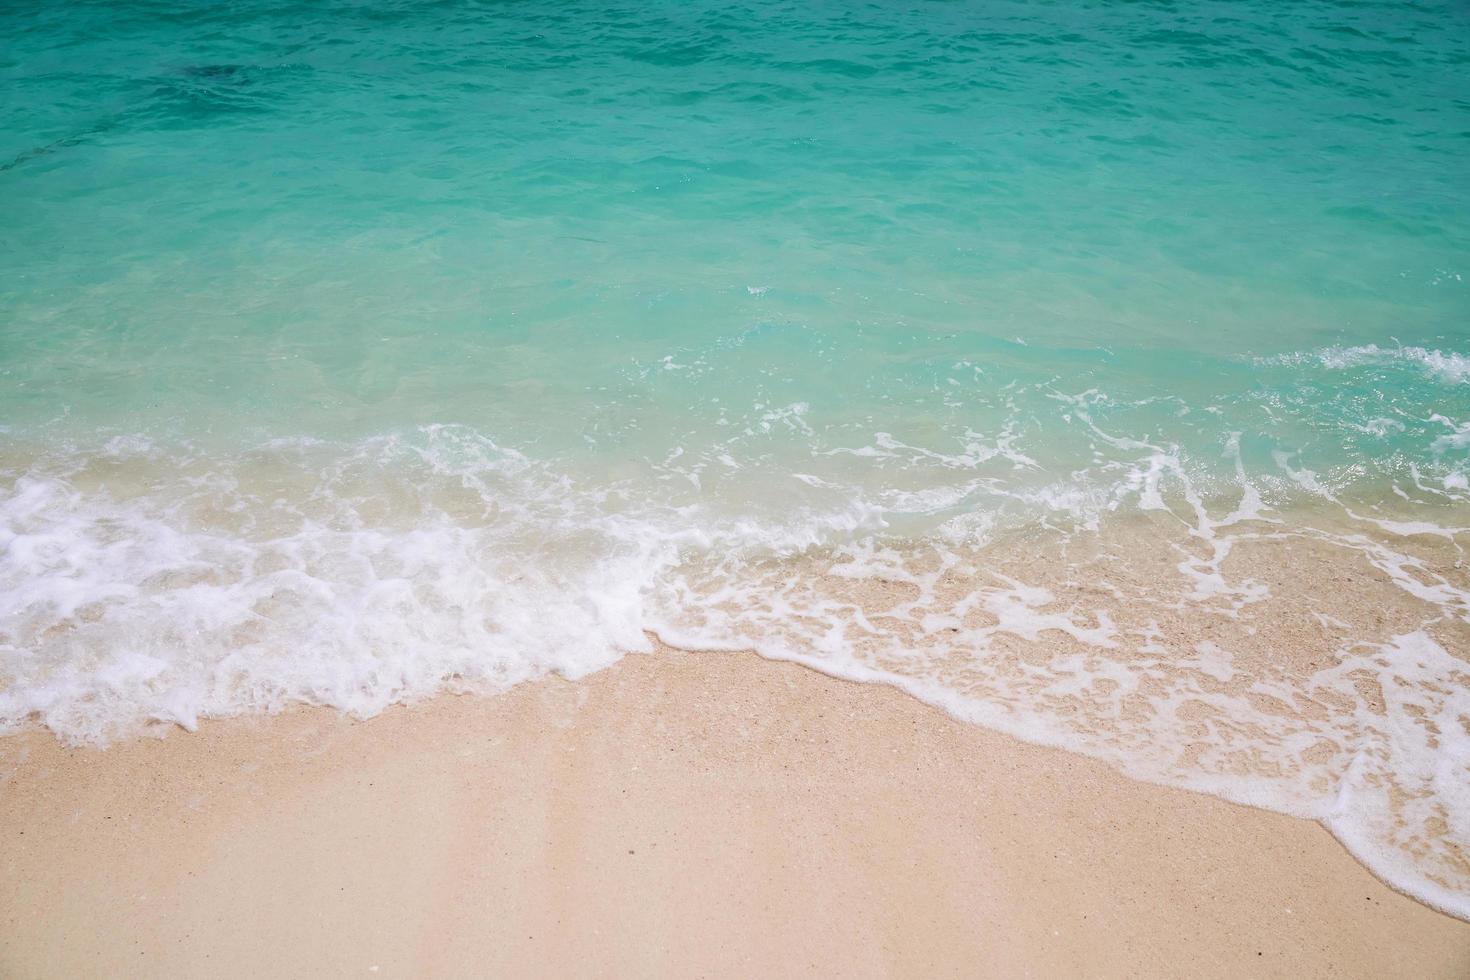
353 351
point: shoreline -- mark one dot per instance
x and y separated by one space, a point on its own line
678 813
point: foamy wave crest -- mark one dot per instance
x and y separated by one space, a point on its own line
1451 367
140 585
1293 652
209 595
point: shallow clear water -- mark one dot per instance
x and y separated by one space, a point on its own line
1100 372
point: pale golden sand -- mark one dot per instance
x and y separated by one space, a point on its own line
675 815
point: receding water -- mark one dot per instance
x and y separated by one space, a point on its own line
1097 371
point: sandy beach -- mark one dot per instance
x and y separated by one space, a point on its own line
679 815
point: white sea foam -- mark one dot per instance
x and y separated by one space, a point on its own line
1449 367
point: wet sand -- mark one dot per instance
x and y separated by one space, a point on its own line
677 815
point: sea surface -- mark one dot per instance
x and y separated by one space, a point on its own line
1098 372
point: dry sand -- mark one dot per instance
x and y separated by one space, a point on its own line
676 815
